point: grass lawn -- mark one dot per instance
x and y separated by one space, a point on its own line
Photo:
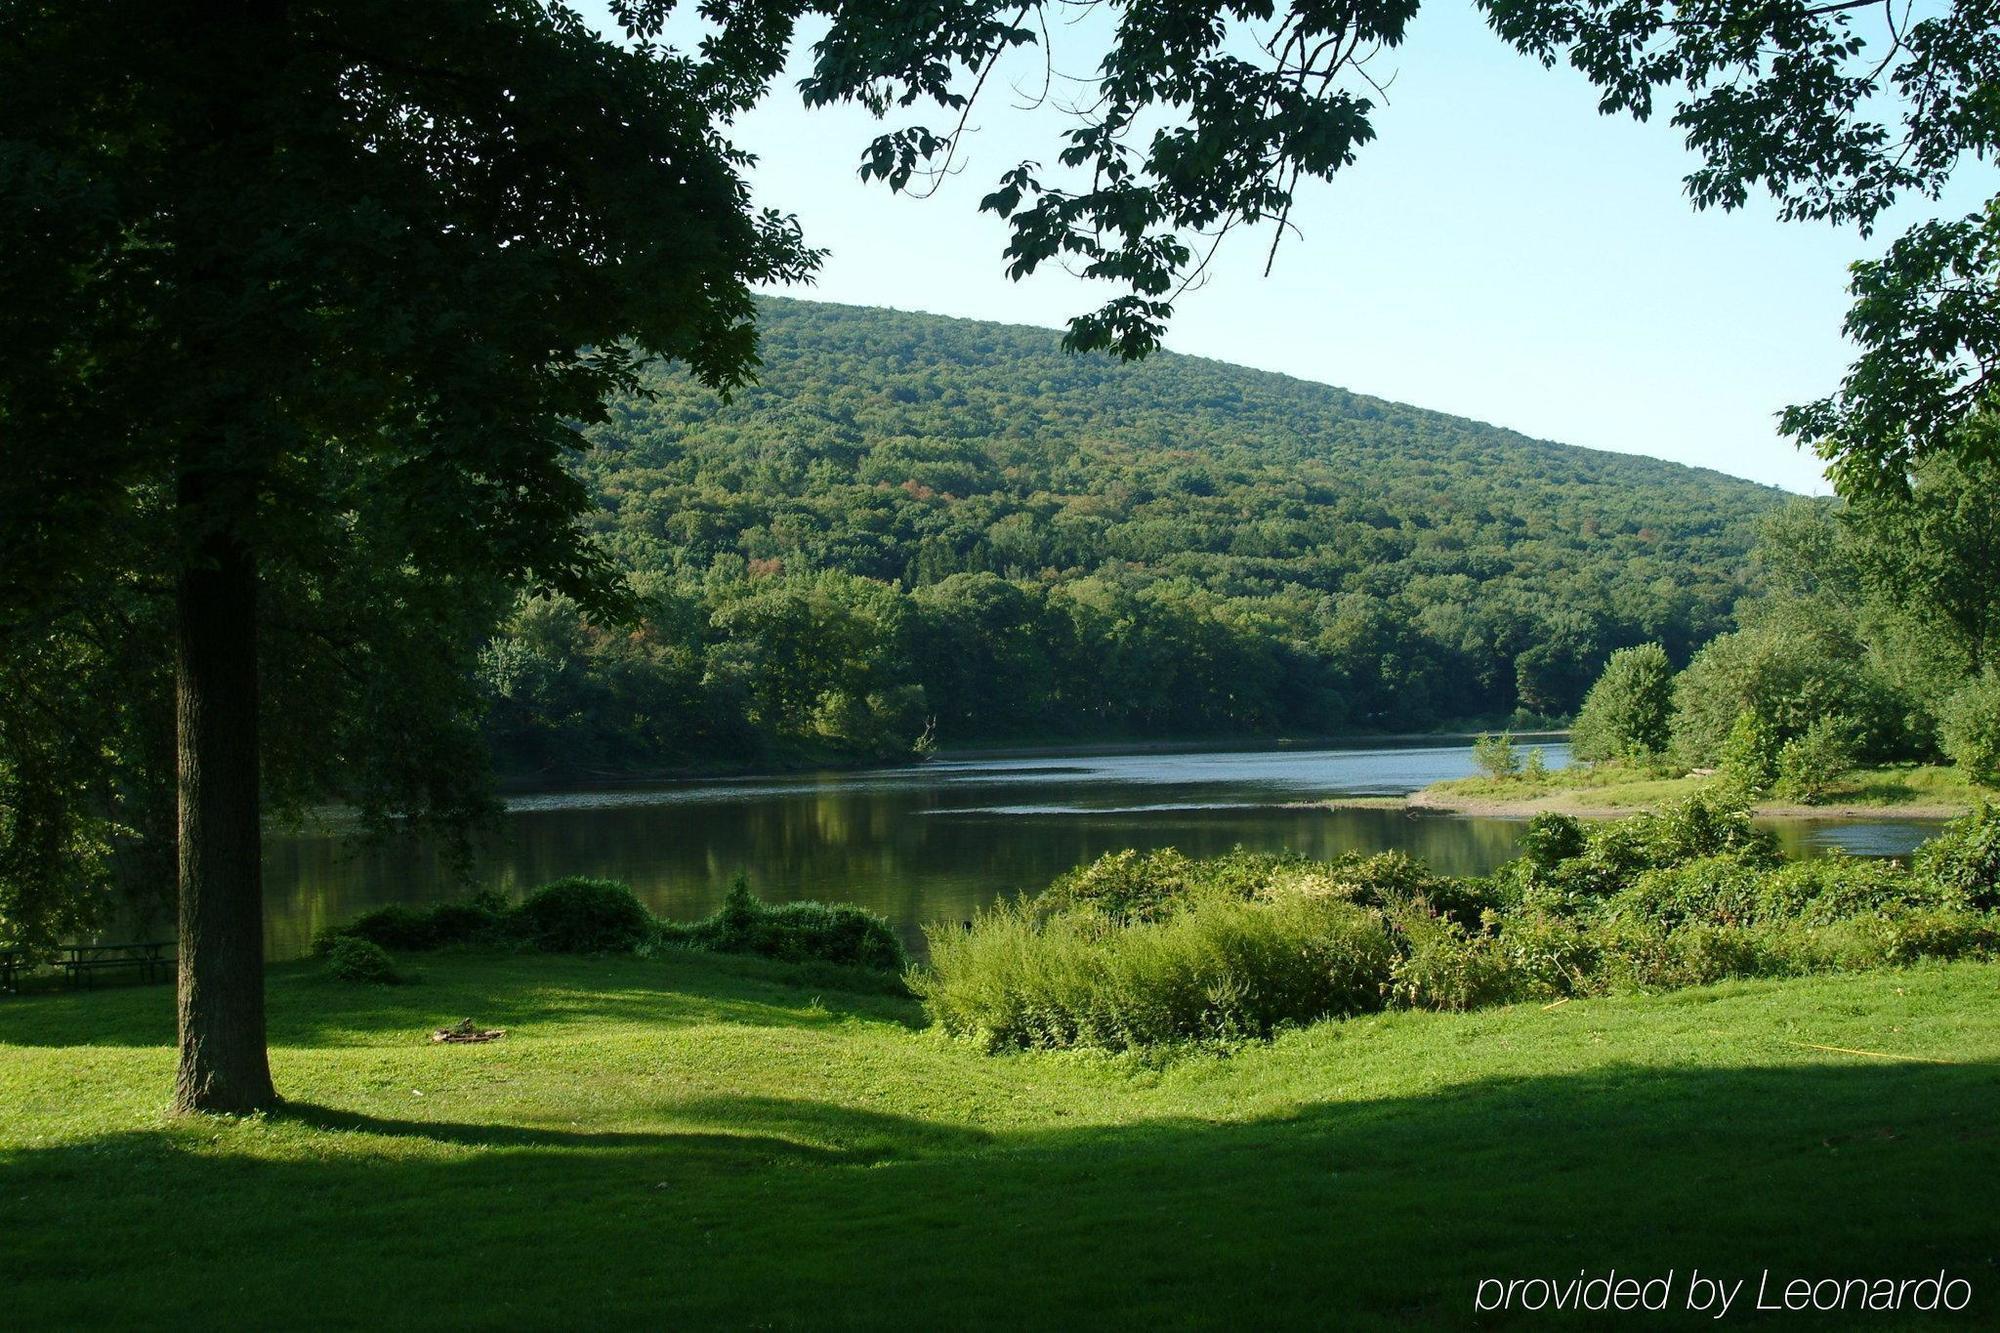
701 1140
1615 789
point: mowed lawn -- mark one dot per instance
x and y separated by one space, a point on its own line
711 1141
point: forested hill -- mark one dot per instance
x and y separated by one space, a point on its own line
914 517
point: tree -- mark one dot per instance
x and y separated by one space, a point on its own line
1931 557
1771 682
301 304
1836 122
1627 713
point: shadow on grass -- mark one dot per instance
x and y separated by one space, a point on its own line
514 991
1350 1214
767 1146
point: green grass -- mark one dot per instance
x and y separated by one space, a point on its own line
1619 788
702 1140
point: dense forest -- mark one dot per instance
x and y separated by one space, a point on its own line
916 528
1868 637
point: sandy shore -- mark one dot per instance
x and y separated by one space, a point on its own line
1579 804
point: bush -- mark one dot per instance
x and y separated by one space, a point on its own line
1551 839
1627 712
793 932
1548 955
1809 764
1749 755
1125 886
1444 966
1836 887
1495 757
1786 674
408 929
1968 724
1220 968
350 958
1647 956
583 915
1566 865
1139 950
1713 891
1962 863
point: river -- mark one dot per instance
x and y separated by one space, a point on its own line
929 842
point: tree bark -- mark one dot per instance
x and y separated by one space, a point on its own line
223 1065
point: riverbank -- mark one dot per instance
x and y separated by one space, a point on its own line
1896 791
518 782
702 1141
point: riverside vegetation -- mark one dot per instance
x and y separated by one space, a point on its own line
1139 951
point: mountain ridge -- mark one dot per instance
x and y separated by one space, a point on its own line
916 523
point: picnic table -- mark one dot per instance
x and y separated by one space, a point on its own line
152 959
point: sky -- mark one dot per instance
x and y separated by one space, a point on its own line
1500 252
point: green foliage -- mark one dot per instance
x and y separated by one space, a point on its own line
1629 710
1145 950
792 932
483 918
1969 728
1445 966
1551 839
1219 968
1963 861
583 915
1711 890
1322 563
1829 889
1494 755
1786 673
294 332
1811 762
351 958
1748 757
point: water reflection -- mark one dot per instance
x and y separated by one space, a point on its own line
918 844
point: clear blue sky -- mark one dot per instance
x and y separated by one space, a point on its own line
1501 252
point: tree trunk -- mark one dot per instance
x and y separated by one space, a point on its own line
223 1066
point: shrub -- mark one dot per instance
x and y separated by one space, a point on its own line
1548 955
1125 886
1714 890
1810 763
1444 966
583 915
1551 839
1786 672
1749 755
350 958
406 929
1535 768
1495 757
1968 725
1220 968
1627 712
1935 932
1647 956
1566 864
793 932
1962 863
1836 887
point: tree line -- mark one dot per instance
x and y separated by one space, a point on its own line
914 526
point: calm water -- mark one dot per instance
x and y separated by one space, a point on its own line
932 842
